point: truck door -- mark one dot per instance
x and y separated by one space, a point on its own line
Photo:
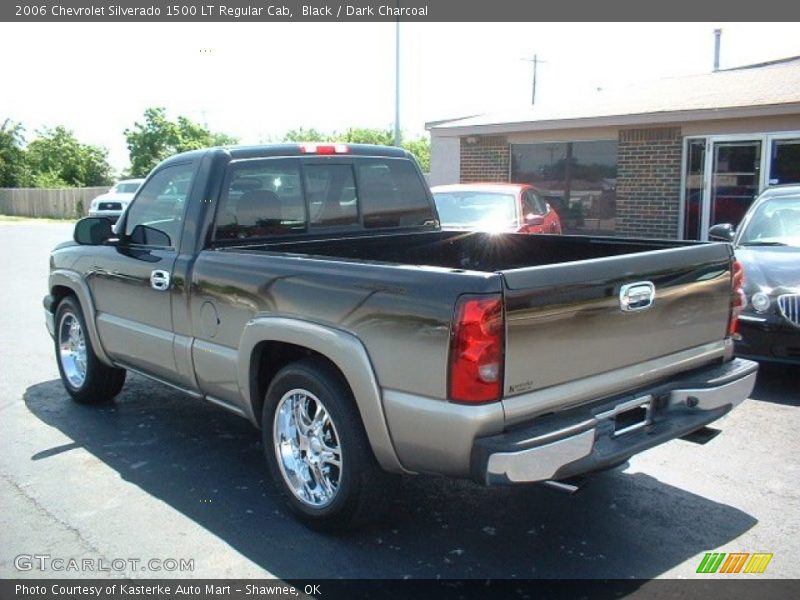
132 281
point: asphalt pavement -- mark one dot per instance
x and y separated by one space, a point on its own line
158 476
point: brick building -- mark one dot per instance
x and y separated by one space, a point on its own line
663 159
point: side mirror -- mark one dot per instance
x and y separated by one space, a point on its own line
722 232
149 236
534 220
93 231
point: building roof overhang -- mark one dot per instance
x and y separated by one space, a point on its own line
453 129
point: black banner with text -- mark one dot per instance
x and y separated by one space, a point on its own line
390 10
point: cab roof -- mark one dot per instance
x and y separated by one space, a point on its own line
294 149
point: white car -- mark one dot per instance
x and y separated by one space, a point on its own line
115 201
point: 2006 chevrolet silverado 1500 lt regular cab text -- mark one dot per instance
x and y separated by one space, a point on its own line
310 289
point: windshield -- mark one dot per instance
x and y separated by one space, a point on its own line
480 210
776 222
126 188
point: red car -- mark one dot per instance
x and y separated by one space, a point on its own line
494 207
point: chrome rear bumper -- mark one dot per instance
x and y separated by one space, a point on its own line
590 438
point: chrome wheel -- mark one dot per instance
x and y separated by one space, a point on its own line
307 448
72 349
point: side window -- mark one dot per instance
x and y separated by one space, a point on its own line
155 217
533 204
331 195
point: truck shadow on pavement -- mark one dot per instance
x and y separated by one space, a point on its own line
207 464
778 383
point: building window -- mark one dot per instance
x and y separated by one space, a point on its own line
695 173
578 179
785 162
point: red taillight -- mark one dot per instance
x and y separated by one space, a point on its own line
324 148
476 350
737 296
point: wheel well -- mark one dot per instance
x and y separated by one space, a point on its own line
268 358
59 292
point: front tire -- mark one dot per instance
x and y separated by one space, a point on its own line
85 378
317 449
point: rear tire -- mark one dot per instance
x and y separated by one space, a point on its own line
85 378
317 450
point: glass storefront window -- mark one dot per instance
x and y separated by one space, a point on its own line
735 169
734 180
695 171
785 162
578 179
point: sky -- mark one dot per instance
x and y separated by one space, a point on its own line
257 80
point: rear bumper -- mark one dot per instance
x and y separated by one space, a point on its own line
590 438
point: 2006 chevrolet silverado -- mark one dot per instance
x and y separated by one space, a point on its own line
310 289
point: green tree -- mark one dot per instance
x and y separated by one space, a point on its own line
361 135
304 135
57 159
157 138
12 154
420 147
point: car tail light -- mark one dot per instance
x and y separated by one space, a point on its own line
476 350
324 149
737 296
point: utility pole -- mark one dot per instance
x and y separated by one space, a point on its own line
535 60
397 134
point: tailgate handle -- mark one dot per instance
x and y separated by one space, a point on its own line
637 296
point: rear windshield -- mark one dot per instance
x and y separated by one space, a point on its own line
476 209
286 196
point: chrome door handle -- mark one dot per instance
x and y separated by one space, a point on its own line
159 280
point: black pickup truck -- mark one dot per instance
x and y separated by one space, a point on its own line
310 289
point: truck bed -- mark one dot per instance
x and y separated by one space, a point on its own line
468 251
564 322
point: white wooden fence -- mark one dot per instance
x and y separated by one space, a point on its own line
67 203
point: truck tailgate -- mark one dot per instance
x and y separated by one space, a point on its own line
566 321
